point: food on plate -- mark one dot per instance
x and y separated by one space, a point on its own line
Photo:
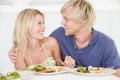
10 76
82 69
42 69
60 69
97 71
47 70
35 68
90 69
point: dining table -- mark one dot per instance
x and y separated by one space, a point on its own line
66 75
71 76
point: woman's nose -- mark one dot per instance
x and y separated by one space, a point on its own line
43 28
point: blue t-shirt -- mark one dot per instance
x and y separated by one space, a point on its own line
100 52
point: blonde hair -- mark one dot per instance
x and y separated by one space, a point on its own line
82 11
23 23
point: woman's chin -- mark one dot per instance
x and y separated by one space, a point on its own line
41 37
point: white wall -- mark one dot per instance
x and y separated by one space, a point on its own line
108 21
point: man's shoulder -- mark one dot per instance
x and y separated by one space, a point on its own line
102 36
58 32
59 29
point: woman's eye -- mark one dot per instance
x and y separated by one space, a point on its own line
41 23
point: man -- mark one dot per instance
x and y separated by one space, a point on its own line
78 39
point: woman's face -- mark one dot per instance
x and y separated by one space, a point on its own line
38 27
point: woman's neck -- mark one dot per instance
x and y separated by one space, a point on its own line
34 44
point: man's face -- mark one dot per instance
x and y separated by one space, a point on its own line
71 26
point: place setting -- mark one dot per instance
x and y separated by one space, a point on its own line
36 71
47 70
93 71
16 75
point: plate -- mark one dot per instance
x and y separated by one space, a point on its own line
23 75
10 75
108 71
58 70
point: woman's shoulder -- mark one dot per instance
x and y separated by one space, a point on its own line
50 40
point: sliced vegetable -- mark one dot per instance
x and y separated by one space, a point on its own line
36 68
81 69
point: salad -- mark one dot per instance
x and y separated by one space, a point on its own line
10 76
40 68
90 69
43 69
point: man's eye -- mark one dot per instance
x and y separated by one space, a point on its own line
39 23
66 19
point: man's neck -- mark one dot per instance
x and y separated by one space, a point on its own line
82 39
83 36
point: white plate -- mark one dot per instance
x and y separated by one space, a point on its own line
66 69
108 71
24 74
5 73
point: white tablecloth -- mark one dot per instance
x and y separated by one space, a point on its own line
73 76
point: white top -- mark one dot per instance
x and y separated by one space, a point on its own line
49 62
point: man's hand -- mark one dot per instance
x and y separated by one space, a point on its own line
68 62
13 56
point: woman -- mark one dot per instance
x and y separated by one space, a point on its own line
30 47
